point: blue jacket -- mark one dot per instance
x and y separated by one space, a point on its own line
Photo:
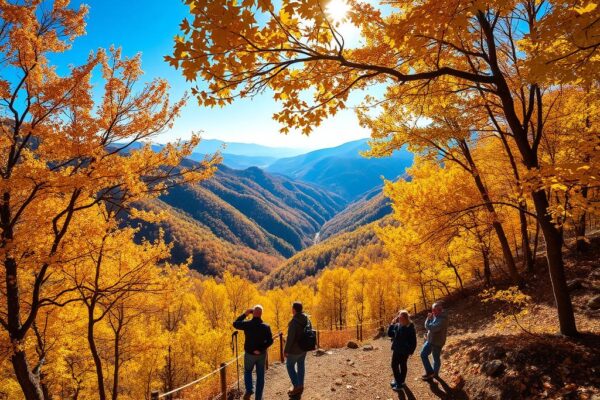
404 338
437 329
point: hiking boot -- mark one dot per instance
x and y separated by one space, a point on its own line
296 390
428 377
393 384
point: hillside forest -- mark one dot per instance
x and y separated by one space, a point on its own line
123 264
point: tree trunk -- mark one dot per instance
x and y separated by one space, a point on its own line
581 242
458 278
28 381
487 272
95 356
528 259
554 243
498 228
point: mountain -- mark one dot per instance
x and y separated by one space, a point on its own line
270 214
209 146
360 247
342 169
369 208
194 242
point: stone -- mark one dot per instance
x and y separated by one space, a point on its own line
352 345
319 352
594 302
338 381
368 347
493 368
494 353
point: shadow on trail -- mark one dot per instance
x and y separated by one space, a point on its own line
443 391
406 394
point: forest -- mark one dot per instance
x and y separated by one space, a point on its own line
497 100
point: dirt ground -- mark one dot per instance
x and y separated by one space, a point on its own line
349 374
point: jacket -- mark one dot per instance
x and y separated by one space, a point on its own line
295 331
404 338
437 329
257 334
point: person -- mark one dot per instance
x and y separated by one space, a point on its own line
295 356
258 338
404 342
436 325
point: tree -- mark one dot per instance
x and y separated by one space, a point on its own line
296 49
62 155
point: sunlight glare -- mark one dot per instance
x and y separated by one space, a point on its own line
337 10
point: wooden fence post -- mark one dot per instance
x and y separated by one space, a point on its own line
281 355
223 381
357 333
266 360
318 340
154 395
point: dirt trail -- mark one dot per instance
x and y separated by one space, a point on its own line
348 374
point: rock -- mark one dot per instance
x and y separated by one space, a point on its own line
494 353
352 345
319 352
339 382
493 368
594 302
368 347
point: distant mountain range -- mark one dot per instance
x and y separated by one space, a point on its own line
343 170
263 206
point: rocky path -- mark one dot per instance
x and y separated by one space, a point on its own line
347 374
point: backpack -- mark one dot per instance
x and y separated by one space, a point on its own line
308 338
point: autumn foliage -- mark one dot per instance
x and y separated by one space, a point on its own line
497 99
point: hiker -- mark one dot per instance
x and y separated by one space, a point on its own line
404 342
436 325
296 348
258 338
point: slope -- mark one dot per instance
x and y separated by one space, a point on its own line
207 253
369 208
360 247
342 169
271 214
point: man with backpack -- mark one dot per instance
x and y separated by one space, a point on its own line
300 339
258 338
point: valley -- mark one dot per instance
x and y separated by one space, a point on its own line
300 213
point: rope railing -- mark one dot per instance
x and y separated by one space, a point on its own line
330 338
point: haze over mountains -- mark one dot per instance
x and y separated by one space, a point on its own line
265 205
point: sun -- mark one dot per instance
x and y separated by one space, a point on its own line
337 10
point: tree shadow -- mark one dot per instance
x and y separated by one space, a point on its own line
444 391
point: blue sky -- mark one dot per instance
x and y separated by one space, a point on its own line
148 27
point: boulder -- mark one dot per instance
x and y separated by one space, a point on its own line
594 302
368 347
352 344
493 368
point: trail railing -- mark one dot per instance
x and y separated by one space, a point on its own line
218 383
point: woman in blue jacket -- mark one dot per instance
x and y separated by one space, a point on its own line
404 341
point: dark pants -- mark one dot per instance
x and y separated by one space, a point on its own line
399 367
251 360
293 361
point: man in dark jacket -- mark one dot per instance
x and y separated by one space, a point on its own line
294 354
258 338
404 342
